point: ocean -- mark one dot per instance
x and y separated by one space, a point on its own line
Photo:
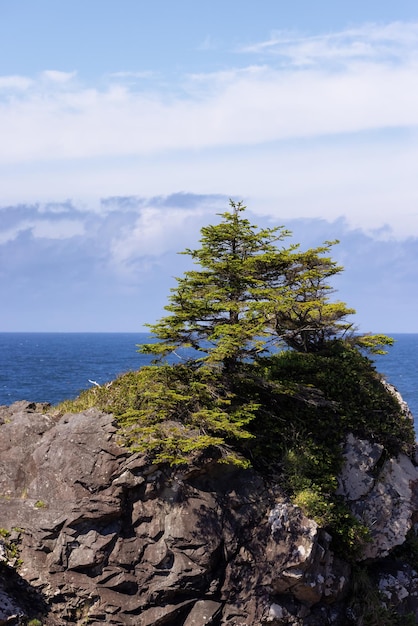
51 367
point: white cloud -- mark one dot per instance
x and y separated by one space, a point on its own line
328 128
58 229
10 234
248 110
18 83
44 229
56 76
389 42
55 207
242 106
155 232
370 180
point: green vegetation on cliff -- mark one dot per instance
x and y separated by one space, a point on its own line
277 379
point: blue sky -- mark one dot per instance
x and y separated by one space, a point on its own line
126 126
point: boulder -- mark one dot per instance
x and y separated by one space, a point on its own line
105 536
383 496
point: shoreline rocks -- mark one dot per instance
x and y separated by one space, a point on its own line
105 536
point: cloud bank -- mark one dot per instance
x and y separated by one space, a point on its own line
68 267
321 125
358 80
318 133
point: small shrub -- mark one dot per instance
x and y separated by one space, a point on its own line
172 412
286 414
11 547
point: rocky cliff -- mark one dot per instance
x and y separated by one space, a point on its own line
91 534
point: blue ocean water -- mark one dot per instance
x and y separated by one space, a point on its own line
51 367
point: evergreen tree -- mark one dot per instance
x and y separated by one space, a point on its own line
303 315
288 412
249 293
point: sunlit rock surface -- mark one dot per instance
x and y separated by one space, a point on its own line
105 536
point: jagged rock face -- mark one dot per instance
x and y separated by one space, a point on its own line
107 537
382 495
398 586
104 535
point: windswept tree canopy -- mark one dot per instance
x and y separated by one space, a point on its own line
288 412
248 293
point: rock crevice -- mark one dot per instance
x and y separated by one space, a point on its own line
105 536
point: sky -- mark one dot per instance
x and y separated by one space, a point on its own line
127 126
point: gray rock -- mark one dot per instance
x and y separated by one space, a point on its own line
9 609
107 537
383 498
203 612
357 478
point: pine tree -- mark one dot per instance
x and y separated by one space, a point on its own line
248 294
303 316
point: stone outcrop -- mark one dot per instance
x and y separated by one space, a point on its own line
105 537
382 494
